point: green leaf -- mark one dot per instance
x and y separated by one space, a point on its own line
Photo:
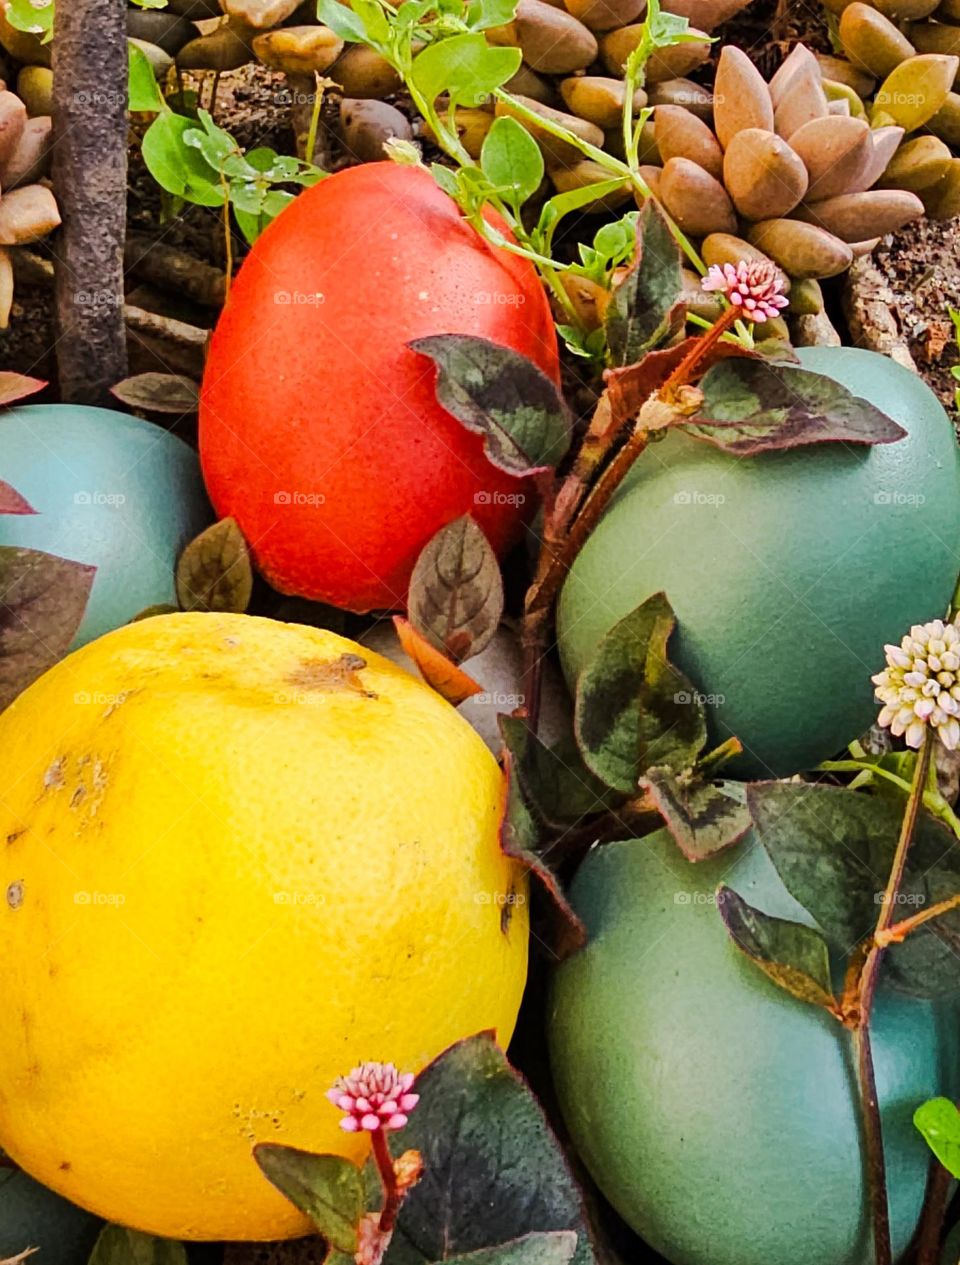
555 781
483 14
251 226
455 598
754 405
634 709
795 957
117 1245
532 1249
42 602
511 160
493 1171
176 166
833 849
342 20
704 817
214 572
497 393
561 204
143 90
645 307
35 16
521 836
939 1122
465 67
326 1188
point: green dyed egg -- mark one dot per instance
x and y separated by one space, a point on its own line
788 571
109 490
32 1216
718 1114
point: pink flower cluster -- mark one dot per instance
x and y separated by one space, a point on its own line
374 1096
754 287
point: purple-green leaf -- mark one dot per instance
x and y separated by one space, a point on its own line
493 1172
521 837
556 783
752 405
634 709
704 817
499 394
833 849
795 957
645 307
455 598
11 502
326 1188
42 601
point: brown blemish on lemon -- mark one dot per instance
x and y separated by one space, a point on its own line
331 675
53 778
15 894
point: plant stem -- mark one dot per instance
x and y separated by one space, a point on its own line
939 1183
869 977
391 1192
311 144
900 930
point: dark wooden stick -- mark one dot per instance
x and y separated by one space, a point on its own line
90 178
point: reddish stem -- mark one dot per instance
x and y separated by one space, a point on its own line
391 1192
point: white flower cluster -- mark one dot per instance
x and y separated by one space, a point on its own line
920 686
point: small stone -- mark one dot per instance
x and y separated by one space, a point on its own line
472 128
226 48
934 37
166 30
362 72
260 13
552 41
21 45
27 214
946 122
871 41
806 298
666 63
35 89
605 15
30 160
299 50
598 100
803 100
942 202
705 15
365 125
527 83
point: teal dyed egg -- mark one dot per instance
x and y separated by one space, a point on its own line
109 490
787 571
719 1115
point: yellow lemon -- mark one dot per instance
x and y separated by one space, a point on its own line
238 858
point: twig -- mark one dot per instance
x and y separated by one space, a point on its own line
90 175
900 930
873 1129
172 269
935 1200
